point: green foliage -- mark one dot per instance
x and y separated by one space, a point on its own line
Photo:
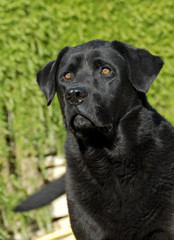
32 33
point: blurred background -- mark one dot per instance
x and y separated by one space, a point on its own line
31 34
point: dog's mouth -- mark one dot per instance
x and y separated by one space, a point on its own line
81 122
84 128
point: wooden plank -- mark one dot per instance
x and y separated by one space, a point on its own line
58 235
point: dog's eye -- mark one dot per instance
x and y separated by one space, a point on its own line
105 71
68 76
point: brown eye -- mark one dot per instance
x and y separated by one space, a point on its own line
105 71
68 76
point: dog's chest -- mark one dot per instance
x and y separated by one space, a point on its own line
118 191
111 186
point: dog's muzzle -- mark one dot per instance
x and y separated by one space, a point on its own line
83 127
81 122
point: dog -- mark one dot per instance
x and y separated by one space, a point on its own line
119 150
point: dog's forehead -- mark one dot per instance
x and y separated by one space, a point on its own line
90 52
87 54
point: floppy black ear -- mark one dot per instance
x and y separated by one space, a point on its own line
46 77
144 67
46 81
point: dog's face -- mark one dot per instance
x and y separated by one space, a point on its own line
97 83
90 83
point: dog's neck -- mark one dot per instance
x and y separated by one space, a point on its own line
100 155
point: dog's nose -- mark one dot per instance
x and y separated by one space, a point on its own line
75 95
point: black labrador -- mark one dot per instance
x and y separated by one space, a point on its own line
119 150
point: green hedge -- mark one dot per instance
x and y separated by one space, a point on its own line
32 33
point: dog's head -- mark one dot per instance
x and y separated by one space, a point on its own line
97 83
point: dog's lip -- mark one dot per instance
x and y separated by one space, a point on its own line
90 123
104 128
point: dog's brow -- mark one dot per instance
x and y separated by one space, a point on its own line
94 54
72 67
98 60
74 61
76 58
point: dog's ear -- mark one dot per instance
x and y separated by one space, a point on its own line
144 67
46 80
46 77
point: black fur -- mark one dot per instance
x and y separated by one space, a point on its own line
43 197
119 150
